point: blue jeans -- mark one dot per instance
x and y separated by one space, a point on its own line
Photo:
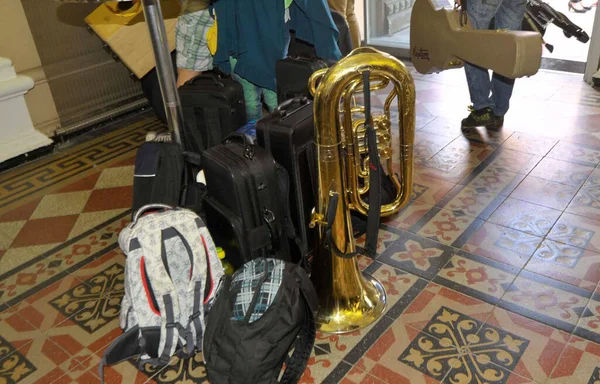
253 94
507 14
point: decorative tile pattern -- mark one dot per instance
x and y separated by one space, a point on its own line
548 301
445 226
477 276
384 240
544 192
412 253
575 153
578 363
566 263
90 302
529 144
14 367
577 231
503 244
526 217
57 169
476 353
541 355
494 179
408 216
475 202
514 161
562 172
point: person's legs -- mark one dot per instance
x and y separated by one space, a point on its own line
251 94
346 8
480 14
509 16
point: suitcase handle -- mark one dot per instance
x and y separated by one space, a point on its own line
282 108
243 139
206 75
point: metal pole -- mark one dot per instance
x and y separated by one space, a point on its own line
164 67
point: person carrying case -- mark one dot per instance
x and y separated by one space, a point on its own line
213 107
247 204
288 135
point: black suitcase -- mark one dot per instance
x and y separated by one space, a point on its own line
243 206
213 107
292 75
288 134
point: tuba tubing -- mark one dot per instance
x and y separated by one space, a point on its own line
349 300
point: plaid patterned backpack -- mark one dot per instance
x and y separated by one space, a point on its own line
172 275
261 313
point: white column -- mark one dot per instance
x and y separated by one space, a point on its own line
17 134
593 59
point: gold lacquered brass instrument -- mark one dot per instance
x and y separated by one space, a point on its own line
349 300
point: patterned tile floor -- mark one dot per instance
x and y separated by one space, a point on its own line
492 271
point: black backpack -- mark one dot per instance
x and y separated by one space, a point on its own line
261 312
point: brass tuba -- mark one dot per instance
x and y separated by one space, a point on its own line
348 300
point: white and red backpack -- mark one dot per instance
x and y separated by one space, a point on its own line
172 275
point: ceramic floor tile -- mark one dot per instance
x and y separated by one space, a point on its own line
579 363
587 200
62 204
589 323
546 300
15 257
417 255
475 202
529 144
566 263
357 375
503 244
408 216
575 153
45 231
384 240
20 213
433 299
85 184
89 220
427 145
446 226
514 161
443 127
525 217
486 136
477 276
8 232
493 179
544 192
115 177
430 190
403 354
109 198
577 231
523 347
562 172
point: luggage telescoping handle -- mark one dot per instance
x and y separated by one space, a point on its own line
282 109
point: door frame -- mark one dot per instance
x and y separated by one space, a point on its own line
593 58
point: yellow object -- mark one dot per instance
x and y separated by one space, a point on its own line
227 267
211 37
348 300
126 33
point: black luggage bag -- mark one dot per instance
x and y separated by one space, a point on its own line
213 107
246 206
292 75
288 134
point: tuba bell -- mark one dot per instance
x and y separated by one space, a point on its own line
349 300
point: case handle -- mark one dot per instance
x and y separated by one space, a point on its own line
281 109
148 207
243 139
207 75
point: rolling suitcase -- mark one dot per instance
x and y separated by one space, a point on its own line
243 205
288 135
213 107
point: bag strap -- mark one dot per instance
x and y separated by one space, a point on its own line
303 346
284 187
374 213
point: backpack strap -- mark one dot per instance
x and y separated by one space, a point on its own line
303 346
374 212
